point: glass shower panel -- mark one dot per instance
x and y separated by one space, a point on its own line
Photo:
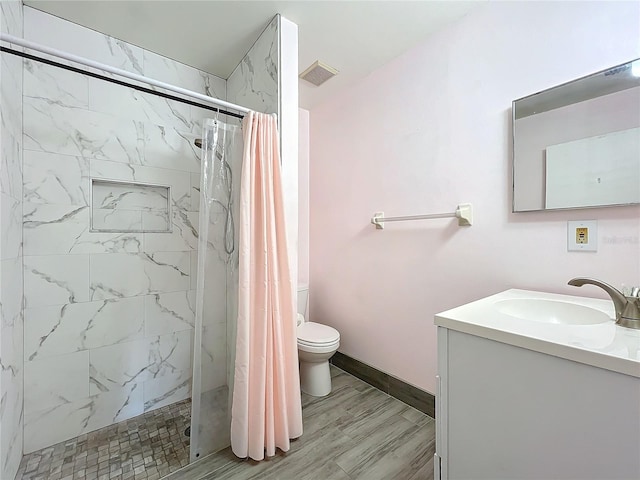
216 295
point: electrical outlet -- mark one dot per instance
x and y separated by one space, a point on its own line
582 236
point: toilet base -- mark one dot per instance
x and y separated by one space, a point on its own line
315 378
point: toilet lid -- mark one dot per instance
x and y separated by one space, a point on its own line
317 333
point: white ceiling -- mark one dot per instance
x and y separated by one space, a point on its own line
355 37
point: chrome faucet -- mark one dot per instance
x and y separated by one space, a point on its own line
627 308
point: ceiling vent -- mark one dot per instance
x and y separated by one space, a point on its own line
318 73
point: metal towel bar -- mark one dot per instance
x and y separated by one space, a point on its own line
464 214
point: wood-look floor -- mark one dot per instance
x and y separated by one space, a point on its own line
356 432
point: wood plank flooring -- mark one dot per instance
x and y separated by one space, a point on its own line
356 432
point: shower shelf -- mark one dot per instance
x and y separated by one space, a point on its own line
129 207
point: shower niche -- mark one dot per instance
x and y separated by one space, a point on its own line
130 207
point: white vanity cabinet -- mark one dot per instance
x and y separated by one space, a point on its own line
510 405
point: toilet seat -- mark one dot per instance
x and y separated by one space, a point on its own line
317 338
315 334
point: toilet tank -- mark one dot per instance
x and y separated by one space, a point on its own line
303 299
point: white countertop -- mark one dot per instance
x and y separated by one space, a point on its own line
605 345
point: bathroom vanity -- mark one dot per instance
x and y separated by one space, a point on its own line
534 385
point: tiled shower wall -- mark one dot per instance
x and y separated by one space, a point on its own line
109 316
11 290
254 82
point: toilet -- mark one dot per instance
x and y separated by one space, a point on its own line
316 345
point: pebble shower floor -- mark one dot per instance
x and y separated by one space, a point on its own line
147 447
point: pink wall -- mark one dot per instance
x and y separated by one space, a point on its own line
303 197
428 131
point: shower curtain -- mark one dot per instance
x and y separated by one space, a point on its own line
216 289
266 410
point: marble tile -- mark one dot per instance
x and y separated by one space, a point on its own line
53 229
55 279
110 220
65 421
218 239
10 227
11 418
254 82
57 33
195 192
166 147
11 91
169 312
135 362
129 196
215 300
157 221
11 17
55 381
193 265
166 390
120 365
12 372
54 128
183 237
55 179
56 330
178 180
129 103
10 157
10 146
176 73
169 271
11 293
11 338
61 86
126 275
11 271
59 229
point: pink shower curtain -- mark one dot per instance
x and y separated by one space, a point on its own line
266 410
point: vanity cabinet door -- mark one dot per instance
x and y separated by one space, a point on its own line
508 412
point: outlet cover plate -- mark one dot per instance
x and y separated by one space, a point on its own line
581 240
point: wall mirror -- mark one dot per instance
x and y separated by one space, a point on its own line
577 145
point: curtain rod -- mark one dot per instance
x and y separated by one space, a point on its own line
117 71
119 82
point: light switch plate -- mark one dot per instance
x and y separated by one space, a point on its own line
582 236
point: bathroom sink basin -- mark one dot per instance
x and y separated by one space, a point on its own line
551 311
